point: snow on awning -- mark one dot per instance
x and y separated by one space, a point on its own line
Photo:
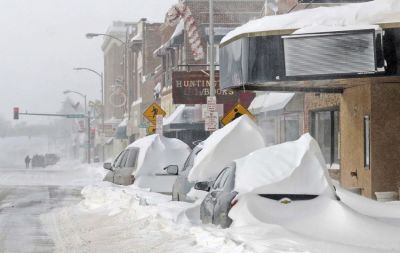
176 38
174 116
185 117
367 13
270 102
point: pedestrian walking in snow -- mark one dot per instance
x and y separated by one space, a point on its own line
27 161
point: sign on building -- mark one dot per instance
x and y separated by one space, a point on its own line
152 111
237 111
193 87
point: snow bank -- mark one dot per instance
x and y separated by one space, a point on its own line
368 13
369 207
321 218
157 152
235 140
296 167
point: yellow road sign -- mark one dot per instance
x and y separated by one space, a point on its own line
151 130
152 111
237 111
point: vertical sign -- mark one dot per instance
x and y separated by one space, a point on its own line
211 115
159 124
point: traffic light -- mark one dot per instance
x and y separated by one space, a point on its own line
16 113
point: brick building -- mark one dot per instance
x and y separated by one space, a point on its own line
351 110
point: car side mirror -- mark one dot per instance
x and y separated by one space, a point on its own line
107 166
202 186
172 169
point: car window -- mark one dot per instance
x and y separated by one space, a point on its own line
117 160
124 159
132 159
190 160
221 179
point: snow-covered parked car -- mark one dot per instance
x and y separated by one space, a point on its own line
146 163
207 159
291 171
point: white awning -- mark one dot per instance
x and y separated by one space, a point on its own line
270 102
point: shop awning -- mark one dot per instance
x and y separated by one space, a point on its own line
272 101
185 117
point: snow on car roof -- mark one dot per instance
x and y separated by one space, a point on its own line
367 13
235 140
157 152
295 167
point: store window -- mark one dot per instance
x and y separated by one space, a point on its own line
325 129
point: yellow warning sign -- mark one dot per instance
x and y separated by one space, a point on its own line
151 130
237 111
152 111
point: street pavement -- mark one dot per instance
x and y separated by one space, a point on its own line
25 194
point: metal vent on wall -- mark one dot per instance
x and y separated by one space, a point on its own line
330 53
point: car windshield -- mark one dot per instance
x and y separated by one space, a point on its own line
190 160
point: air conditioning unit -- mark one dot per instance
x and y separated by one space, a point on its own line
334 53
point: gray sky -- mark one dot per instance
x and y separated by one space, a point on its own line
42 40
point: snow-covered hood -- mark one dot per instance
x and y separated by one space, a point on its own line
157 152
321 218
295 167
368 13
233 141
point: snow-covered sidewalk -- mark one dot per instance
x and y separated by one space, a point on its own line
128 219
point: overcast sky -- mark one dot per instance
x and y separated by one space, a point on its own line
42 40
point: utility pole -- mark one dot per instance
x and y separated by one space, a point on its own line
211 120
212 67
88 140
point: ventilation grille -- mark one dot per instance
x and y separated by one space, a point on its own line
330 53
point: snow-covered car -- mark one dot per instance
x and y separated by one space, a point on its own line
146 163
291 171
182 185
206 160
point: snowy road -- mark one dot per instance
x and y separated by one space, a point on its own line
25 194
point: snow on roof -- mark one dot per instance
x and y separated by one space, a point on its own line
235 140
157 152
270 102
180 27
295 167
367 13
137 37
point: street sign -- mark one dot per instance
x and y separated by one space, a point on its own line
152 111
211 121
212 104
75 116
151 130
237 111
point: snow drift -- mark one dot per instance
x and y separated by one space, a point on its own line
296 167
368 13
235 140
321 218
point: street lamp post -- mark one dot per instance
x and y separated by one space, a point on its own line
88 118
102 103
125 59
